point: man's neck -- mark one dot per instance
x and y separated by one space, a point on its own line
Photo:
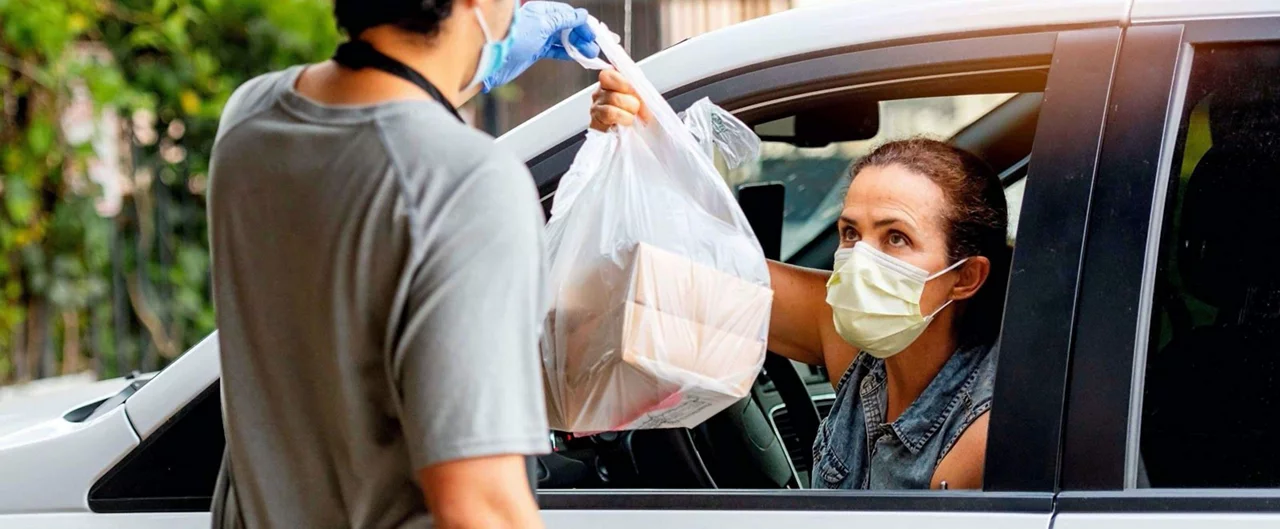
440 58
445 63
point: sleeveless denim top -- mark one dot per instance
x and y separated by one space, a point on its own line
855 449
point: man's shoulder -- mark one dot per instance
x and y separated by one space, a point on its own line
428 145
252 97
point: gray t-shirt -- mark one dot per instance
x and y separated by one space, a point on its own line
378 278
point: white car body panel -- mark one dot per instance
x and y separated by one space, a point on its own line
158 520
808 30
610 519
22 412
49 467
185 378
1166 521
1158 10
677 519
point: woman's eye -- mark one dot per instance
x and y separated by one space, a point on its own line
897 239
848 234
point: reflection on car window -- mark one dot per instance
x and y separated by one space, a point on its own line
817 177
1013 197
1212 386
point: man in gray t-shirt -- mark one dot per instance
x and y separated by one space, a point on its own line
378 282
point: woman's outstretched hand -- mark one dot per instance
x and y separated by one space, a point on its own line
615 103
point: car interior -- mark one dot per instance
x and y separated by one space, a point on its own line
1210 389
764 441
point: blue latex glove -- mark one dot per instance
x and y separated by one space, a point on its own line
537 36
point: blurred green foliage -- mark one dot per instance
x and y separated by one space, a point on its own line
166 68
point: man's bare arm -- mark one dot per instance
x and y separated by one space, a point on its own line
483 492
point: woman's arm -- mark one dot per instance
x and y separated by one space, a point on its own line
961 468
800 325
798 306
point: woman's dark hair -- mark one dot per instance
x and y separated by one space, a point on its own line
418 16
976 222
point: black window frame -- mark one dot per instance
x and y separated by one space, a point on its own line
1030 389
1099 460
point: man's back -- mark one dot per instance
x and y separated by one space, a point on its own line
376 275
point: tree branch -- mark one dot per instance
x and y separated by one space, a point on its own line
27 69
149 319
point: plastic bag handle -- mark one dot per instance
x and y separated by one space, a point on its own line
672 141
573 52
664 117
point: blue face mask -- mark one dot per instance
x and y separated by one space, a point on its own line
494 53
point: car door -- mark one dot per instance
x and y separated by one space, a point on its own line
1174 389
1068 74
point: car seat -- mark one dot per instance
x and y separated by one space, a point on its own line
1213 393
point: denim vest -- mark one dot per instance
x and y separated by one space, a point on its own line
855 449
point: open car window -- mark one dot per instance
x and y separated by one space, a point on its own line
816 177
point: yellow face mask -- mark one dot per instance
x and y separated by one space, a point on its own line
875 299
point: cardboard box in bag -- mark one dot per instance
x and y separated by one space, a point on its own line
659 342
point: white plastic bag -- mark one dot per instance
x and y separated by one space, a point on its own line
661 292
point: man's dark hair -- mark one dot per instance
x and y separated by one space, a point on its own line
418 16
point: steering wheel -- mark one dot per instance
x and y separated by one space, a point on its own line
739 447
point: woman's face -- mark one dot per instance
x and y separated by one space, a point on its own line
900 212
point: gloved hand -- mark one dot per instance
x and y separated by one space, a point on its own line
537 36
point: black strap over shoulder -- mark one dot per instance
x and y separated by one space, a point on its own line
358 54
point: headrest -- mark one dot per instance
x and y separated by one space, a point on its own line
1229 233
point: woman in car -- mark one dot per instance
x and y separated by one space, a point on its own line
907 320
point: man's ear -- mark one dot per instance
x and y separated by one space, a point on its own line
972 275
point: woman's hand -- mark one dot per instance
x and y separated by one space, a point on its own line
615 103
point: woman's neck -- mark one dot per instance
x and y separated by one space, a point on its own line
908 373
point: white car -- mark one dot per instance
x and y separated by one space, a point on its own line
1137 384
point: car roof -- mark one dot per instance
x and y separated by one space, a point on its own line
813 29
1159 10
860 22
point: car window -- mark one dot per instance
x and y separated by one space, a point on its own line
1013 195
174 469
816 178
1212 384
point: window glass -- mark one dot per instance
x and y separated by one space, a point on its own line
1013 196
816 178
1212 387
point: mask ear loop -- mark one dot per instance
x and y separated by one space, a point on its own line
484 28
947 269
939 274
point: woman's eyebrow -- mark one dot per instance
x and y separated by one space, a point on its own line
891 221
888 221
